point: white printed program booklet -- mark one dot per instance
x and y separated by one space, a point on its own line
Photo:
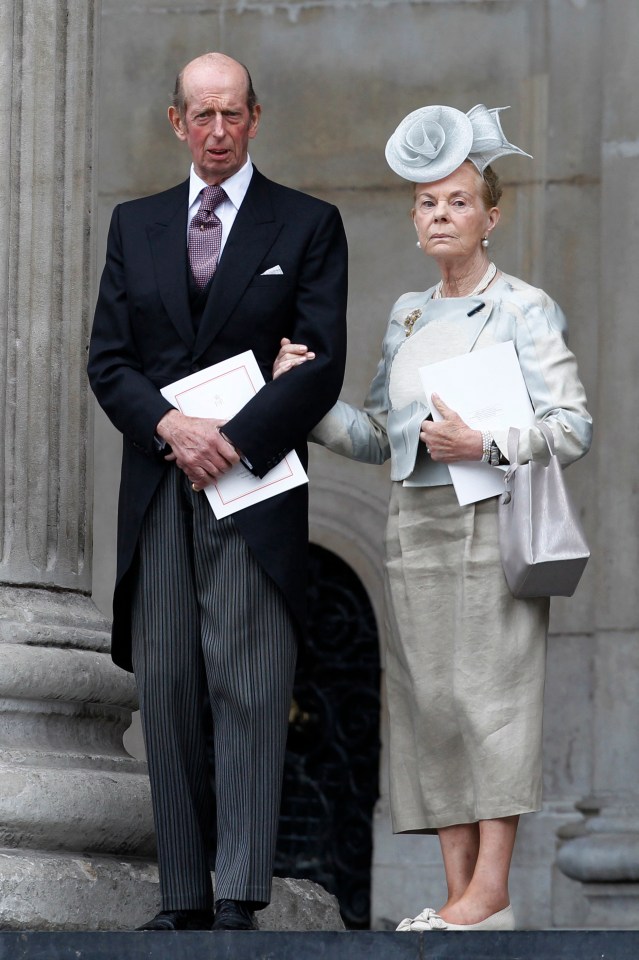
220 391
487 389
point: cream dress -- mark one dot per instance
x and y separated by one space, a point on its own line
465 668
465 662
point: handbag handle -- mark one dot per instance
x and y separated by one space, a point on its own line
513 440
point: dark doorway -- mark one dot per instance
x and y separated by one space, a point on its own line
332 760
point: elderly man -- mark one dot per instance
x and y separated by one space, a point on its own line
224 262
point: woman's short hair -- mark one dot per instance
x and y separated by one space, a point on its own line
491 188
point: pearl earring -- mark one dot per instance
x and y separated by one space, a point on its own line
485 242
418 244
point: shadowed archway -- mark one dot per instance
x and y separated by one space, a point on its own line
332 761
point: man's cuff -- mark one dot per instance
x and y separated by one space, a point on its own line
244 460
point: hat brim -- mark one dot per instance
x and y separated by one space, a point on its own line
429 144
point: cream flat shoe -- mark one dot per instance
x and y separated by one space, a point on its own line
429 919
502 920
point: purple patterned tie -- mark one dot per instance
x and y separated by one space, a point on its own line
205 236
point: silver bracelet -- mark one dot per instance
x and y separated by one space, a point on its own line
486 441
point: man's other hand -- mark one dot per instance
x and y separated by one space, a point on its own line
198 447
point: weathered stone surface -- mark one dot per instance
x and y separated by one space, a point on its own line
602 852
46 190
602 858
300 905
343 945
47 891
44 891
67 786
68 789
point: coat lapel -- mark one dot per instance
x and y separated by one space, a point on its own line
477 312
253 233
167 237
480 318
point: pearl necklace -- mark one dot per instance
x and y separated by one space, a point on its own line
485 281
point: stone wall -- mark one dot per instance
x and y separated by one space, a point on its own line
334 79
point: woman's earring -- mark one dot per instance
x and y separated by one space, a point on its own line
418 244
485 242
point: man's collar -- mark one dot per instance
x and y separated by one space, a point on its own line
235 187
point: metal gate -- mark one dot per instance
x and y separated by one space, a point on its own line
332 760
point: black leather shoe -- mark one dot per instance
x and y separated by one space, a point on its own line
180 920
234 915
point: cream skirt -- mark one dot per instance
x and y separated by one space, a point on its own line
465 667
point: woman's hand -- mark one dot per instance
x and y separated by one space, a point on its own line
290 355
450 439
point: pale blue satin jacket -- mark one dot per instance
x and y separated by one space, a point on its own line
512 310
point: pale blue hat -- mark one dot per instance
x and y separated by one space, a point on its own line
433 141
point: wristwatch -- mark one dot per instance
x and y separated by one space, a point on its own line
490 451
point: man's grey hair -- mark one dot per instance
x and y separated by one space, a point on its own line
179 100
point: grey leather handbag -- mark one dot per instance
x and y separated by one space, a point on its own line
542 544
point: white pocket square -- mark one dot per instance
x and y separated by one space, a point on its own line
272 271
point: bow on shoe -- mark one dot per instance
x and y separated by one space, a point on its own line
428 919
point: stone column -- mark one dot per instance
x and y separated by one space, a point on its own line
74 808
601 853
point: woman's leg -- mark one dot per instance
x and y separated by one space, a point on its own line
460 849
486 891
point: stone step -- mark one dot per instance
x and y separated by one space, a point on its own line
349 945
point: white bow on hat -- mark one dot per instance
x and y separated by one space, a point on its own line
433 141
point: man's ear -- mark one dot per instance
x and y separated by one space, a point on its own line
178 123
255 121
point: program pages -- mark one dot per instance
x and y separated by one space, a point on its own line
487 389
219 392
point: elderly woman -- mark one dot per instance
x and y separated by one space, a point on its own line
465 669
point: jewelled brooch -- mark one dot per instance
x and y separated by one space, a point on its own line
411 320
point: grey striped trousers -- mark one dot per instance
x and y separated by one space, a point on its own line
206 617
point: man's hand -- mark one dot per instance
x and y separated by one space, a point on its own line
450 439
199 449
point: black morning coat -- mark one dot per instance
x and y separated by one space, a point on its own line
143 338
